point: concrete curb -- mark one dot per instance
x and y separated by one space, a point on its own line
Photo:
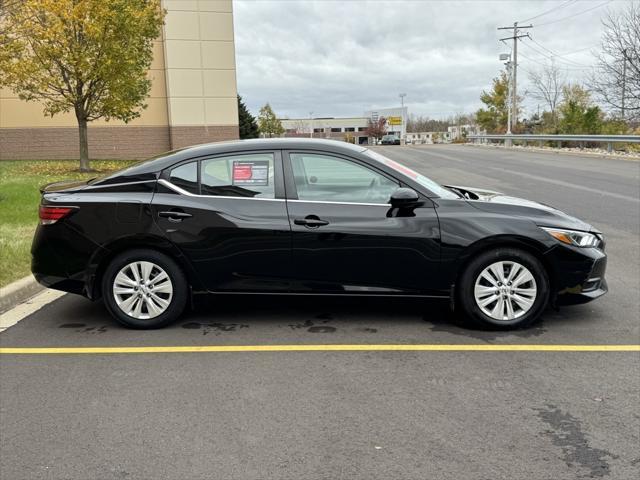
17 292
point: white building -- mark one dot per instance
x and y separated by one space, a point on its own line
459 131
353 129
396 119
417 138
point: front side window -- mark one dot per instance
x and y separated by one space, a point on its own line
332 179
250 175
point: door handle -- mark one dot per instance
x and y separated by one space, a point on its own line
174 215
310 221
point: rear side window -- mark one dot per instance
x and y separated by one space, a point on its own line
186 177
250 175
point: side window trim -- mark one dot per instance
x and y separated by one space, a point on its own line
290 184
278 173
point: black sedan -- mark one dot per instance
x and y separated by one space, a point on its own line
314 217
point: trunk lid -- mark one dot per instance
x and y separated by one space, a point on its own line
64 186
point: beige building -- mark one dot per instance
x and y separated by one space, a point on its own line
192 99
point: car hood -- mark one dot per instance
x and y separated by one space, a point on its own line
541 214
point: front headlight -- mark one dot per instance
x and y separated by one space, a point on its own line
573 237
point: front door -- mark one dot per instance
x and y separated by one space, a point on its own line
346 236
228 216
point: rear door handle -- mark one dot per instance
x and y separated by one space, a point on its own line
310 221
174 215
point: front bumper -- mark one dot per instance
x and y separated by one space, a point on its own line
579 274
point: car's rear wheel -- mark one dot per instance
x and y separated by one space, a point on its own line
505 288
144 289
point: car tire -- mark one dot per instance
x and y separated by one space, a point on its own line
513 300
144 289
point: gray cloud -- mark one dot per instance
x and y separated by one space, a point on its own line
339 58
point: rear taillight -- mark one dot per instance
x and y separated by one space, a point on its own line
50 215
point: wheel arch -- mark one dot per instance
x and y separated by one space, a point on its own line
526 244
109 251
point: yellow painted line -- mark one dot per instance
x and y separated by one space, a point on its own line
319 348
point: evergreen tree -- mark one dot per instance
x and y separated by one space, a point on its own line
246 121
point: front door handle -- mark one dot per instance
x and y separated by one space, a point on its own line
310 221
174 215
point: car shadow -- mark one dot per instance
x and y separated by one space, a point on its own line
402 318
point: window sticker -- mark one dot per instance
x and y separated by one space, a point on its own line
254 172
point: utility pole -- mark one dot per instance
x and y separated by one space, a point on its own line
624 78
514 94
310 124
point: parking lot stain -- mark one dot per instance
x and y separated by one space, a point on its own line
82 328
368 330
215 328
566 433
312 327
321 329
449 326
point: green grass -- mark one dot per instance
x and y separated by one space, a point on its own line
19 199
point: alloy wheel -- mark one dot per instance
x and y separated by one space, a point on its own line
505 291
142 290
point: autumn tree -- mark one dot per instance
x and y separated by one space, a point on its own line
377 128
268 123
493 117
246 121
578 114
86 56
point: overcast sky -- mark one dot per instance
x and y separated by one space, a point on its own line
340 58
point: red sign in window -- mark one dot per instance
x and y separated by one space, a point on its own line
242 172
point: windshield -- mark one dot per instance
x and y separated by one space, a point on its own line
434 187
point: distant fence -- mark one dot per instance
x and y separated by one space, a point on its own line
508 140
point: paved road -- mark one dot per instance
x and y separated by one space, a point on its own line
332 415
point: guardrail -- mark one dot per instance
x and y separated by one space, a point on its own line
581 139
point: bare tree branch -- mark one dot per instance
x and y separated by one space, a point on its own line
616 80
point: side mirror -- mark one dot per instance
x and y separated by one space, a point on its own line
404 197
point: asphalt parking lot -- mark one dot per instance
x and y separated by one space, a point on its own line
457 414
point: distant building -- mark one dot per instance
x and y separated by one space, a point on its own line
396 119
418 138
460 131
353 129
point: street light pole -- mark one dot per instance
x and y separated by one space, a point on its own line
402 95
310 124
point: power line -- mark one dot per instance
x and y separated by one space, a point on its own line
558 7
574 15
562 66
554 54
556 58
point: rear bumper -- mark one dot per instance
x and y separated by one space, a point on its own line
58 263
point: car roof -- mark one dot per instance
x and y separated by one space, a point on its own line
165 160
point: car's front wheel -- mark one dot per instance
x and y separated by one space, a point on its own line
144 289
505 288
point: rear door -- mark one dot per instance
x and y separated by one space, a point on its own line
347 238
228 216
